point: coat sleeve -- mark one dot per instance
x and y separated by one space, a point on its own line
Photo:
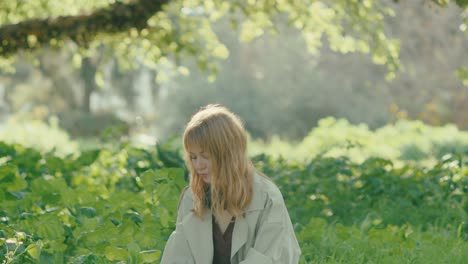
177 250
275 242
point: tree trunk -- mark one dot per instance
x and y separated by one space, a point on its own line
82 29
88 73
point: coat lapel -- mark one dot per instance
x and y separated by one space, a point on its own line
199 236
239 235
241 228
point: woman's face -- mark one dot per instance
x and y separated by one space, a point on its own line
201 162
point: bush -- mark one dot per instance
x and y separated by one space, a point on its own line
403 141
39 135
119 204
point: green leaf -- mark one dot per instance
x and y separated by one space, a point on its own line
220 51
6 149
134 216
148 180
114 253
86 259
33 251
115 221
134 251
10 180
177 176
314 230
47 190
163 216
462 74
342 232
8 173
46 257
49 228
150 256
88 211
88 157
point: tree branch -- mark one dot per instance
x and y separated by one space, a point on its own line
118 17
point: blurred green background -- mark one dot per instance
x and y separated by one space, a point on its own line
357 109
371 63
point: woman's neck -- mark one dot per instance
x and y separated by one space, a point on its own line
223 219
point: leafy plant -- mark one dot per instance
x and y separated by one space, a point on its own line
118 204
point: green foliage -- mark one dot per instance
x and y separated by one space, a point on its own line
46 137
404 140
337 243
373 212
462 74
99 206
185 27
351 193
461 3
119 203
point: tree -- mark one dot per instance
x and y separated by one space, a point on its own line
290 91
158 28
152 29
148 32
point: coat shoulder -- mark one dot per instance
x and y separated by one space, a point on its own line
268 187
273 202
183 195
186 196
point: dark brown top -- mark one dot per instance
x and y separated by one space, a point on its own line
222 243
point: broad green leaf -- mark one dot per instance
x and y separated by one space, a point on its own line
150 256
10 180
88 157
88 211
115 253
8 173
133 250
33 251
163 216
148 180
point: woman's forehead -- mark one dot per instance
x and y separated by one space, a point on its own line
194 148
196 143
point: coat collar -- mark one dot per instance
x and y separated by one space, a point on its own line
199 231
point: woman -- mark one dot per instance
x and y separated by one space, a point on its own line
231 213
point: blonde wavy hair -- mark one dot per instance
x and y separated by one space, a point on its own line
221 133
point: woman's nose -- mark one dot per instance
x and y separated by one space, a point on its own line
198 164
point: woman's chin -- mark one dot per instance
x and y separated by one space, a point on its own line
207 181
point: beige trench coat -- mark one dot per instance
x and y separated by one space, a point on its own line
263 235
